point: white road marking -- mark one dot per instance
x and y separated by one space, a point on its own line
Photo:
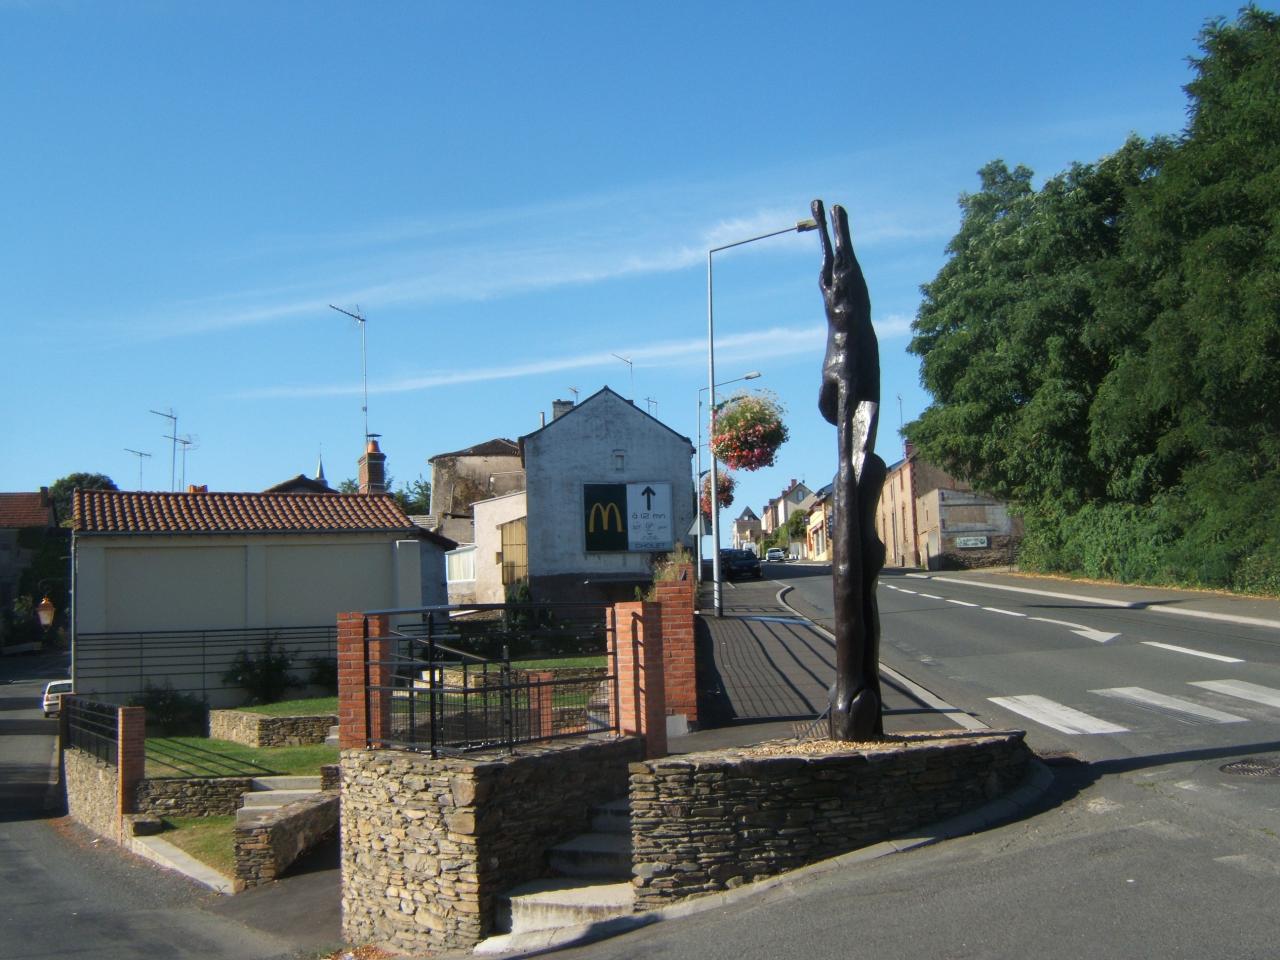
905 590
930 596
1079 628
1150 698
1194 653
961 603
1056 716
1109 602
1242 690
1007 613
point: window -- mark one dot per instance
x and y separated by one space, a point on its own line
619 460
515 551
460 564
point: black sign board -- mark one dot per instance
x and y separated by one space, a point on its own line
604 513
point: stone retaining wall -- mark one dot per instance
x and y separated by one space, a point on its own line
428 844
258 730
191 797
272 841
706 822
93 791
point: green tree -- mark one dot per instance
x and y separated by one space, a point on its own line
414 497
798 525
60 491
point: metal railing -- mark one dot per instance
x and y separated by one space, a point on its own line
484 676
92 726
190 661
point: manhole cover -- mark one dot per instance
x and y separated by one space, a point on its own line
1254 767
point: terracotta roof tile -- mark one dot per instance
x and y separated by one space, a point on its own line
119 511
25 510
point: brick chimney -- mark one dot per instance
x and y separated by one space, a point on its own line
373 469
201 488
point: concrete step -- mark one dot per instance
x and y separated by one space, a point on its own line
332 739
604 855
559 902
273 798
286 783
614 817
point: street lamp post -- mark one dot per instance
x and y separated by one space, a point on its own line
697 486
717 584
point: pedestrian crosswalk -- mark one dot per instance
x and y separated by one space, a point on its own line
1074 721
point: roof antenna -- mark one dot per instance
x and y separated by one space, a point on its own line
358 317
173 435
574 391
632 368
651 403
139 454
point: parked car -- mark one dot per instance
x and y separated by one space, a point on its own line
52 699
740 564
775 554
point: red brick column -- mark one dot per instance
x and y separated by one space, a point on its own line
678 659
637 641
131 756
542 695
363 715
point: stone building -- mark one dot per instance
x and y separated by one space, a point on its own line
818 532
746 531
928 518
460 478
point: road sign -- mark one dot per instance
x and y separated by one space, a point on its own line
970 542
627 517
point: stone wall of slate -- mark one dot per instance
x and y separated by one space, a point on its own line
191 796
707 822
257 730
269 843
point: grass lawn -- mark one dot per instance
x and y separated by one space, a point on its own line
560 663
211 840
203 757
315 706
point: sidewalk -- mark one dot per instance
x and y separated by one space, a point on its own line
764 672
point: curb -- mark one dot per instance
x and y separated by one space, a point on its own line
1038 780
167 855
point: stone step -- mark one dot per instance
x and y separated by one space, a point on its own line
593 855
614 817
559 902
274 798
332 739
286 783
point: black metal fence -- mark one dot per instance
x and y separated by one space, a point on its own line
467 678
122 665
92 726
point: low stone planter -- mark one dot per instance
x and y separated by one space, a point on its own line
257 730
707 822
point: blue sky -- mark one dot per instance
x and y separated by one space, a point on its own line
511 193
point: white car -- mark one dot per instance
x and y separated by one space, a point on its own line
775 553
52 700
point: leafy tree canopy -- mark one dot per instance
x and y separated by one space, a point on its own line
1105 350
60 491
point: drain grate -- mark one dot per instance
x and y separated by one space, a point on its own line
1254 767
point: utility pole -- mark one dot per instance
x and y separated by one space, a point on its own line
358 317
140 455
173 435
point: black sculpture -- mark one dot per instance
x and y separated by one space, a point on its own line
850 399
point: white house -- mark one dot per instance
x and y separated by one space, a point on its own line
156 567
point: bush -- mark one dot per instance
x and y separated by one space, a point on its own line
265 677
170 713
324 673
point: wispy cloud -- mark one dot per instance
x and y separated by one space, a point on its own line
778 341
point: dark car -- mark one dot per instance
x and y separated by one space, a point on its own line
739 565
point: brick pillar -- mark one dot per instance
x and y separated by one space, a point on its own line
542 695
637 642
131 756
680 685
363 715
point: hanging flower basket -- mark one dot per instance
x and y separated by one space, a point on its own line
724 486
748 430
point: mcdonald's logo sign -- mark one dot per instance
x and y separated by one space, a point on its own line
604 508
608 515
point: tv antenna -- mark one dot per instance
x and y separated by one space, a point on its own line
173 455
651 403
187 443
140 455
574 391
632 368
358 317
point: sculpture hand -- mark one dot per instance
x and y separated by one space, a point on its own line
844 290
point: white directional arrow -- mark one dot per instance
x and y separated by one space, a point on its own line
1080 630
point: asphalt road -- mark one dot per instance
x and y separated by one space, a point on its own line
1143 847
64 894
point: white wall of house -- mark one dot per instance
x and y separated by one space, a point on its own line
605 439
490 514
